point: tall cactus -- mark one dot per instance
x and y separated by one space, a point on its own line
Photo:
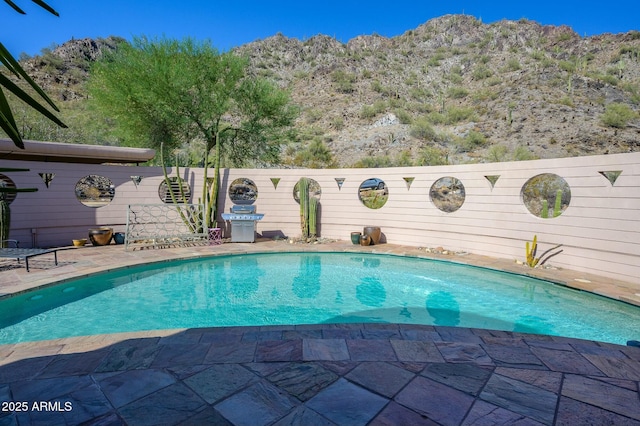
557 208
5 210
303 190
5 217
544 213
313 210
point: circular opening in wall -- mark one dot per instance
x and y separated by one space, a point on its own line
373 193
314 190
179 188
6 182
546 195
447 194
95 191
243 191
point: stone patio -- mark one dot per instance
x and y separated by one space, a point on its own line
342 374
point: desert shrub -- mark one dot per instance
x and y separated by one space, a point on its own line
419 93
633 90
370 111
421 129
513 65
522 153
403 116
612 80
485 95
403 159
471 141
567 66
454 78
412 79
436 118
315 156
481 72
537 55
376 86
458 114
374 162
338 123
344 82
497 153
434 61
617 115
432 156
457 92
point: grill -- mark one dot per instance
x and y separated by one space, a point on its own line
243 220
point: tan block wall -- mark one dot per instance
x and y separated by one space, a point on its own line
600 230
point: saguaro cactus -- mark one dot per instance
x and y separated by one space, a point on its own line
557 208
303 191
313 211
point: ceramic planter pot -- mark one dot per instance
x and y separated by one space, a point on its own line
118 237
374 233
100 236
355 237
365 240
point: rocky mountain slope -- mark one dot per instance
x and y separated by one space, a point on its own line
452 90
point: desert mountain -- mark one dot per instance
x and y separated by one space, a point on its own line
454 89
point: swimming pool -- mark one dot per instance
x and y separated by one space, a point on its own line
306 288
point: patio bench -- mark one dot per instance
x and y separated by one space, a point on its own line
25 253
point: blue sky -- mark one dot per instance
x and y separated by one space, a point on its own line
232 23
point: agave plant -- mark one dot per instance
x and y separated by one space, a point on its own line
7 122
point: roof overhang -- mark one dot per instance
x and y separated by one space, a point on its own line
73 153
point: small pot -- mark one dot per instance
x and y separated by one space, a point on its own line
355 237
118 237
365 240
80 242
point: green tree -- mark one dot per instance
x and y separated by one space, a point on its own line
167 93
7 121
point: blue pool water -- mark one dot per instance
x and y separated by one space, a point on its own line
305 288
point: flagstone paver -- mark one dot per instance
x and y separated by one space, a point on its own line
260 404
380 377
322 374
325 350
604 395
468 378
345 403
272 382
219 381
303 380
438 402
